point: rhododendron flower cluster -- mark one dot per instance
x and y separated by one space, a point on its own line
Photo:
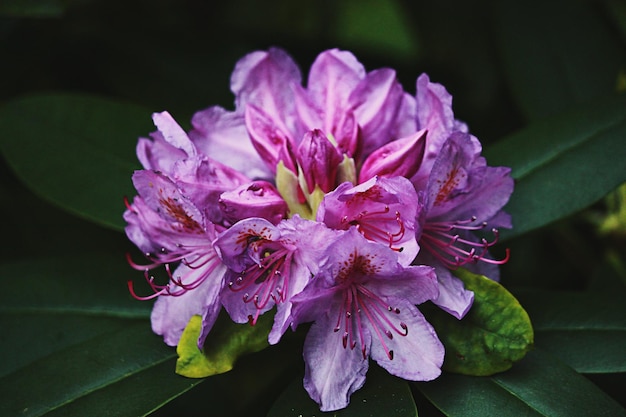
344 202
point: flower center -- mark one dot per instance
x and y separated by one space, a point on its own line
442 241
379 226
265 281
359 304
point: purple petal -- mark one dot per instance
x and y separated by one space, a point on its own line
416 284
377 101
162 196
400 158
418 355
434 113
462 186
202 180
235 241
173 133
318 158
222 135
299 277
453 297
256 199
272 142
239 304
332 77
311 239
266 80
332 372
157 154
170 315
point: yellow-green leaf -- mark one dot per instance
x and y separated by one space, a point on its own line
226 342
494 334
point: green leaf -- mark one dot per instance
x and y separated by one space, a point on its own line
382 395
74 341
539 385
586 330
76 151
563 164
557 58
375 25
228 342
90 283
494 334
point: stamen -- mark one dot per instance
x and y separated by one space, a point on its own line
360 299
379 226
129 206
268 279
455 251
176 286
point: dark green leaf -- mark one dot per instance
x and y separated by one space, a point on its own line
74 341
539 385
382 395
75 151
228 342
494 334
585 330
558 57
91 283
377 25
563 164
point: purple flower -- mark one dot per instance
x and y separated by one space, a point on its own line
169 229
383 210
362 303
463 195
269 264
325 199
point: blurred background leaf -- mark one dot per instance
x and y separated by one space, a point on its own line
74 150
557 56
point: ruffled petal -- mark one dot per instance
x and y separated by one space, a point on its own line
173 133
222 135
332 372
266 80
461 186
377 101
418 355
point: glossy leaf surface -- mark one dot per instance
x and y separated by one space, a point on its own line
563 164
494 334
382 394
76 151
539 385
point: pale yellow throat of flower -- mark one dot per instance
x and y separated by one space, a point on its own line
288 183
